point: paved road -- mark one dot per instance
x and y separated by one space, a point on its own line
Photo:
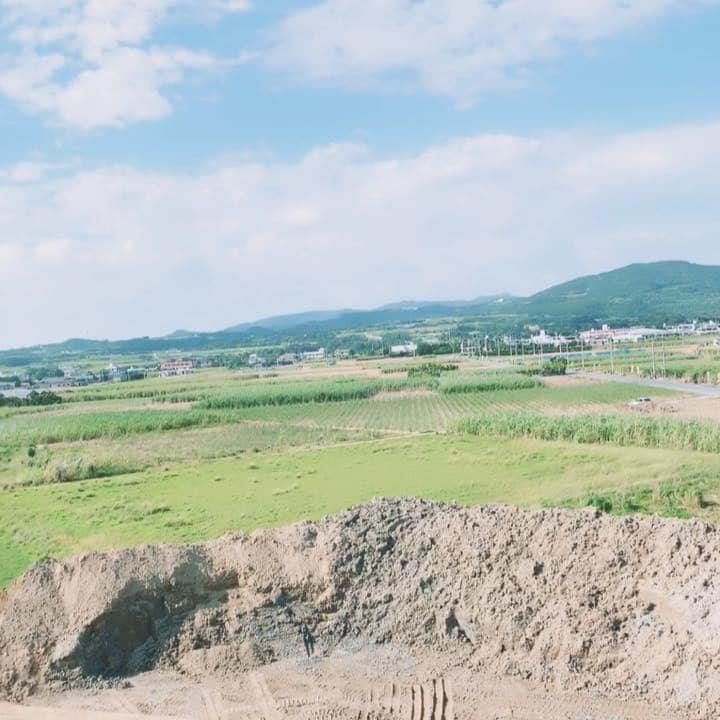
703 390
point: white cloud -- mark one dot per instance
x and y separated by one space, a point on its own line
89 62
340 227
52 251
25 172
457 48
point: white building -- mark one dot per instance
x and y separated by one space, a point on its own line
314 355
406 349
606 335
177 367
288 359
544 340
21 392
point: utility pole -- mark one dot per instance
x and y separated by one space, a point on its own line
652 346
612 356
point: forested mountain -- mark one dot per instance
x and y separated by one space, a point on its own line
644 293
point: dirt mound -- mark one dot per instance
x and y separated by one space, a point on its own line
575 601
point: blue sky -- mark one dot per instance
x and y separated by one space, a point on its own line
178 163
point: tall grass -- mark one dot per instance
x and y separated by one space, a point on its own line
678 498
487 382
312 392
47 429
641 431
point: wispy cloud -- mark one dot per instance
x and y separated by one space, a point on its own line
341 226
92 63
455 48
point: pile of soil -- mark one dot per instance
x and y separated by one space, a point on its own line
626 608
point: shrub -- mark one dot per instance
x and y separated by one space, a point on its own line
553 366
431 369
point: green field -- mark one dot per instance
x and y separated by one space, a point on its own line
80 440
203 500
191 458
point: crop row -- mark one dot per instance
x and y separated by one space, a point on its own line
312 392
361 389
632 430
439 411
400 411
487 382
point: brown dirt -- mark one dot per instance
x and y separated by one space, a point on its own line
396 394
689 408
457 612
566 381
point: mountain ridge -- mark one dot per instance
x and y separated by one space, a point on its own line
653 293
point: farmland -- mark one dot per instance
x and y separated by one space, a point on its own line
688 360
194 457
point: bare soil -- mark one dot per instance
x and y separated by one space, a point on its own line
688 408
397 608
395 394
566 381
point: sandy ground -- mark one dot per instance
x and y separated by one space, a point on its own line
689 408
566 381
372 684
394 609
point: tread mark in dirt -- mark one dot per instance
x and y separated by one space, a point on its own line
265 698
448 710
124 704
431 701
211 707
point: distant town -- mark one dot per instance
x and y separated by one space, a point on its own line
537 342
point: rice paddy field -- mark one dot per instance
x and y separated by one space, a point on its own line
184 459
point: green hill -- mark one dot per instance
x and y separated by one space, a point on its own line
648 293
640 294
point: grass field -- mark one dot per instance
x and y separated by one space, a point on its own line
191 458
82 440
198 501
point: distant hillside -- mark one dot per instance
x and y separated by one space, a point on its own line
392 312
644 293
647 293
283 322
653 293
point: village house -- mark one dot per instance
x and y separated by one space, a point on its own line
542 339
288 359
606 335
171 368
312 355
406 349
